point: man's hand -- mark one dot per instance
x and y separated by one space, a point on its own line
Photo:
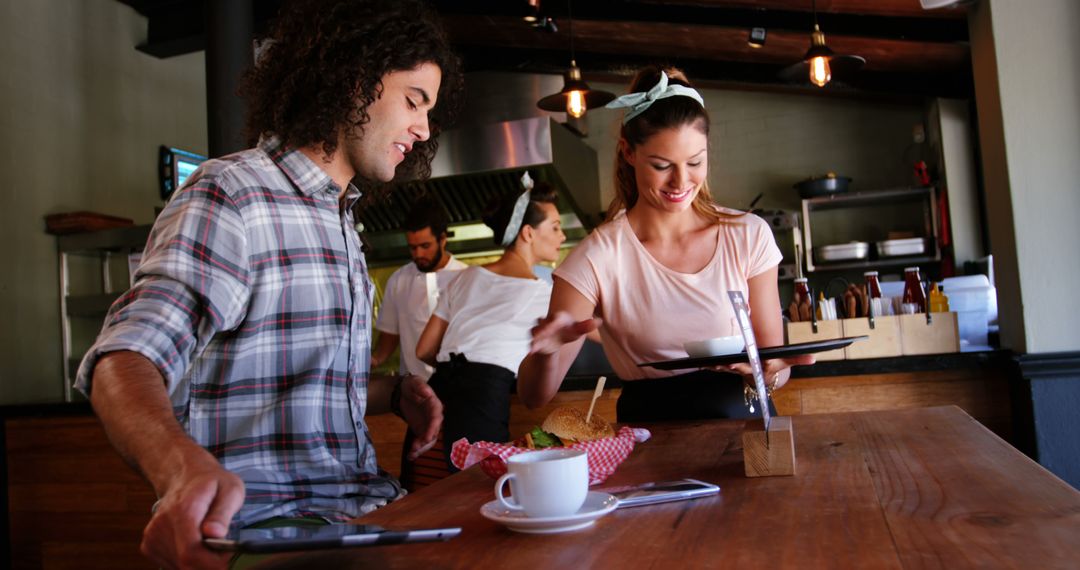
200 503
560 328
423 411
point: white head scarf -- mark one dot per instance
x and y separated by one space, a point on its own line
639 101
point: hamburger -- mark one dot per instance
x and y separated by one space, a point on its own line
567 426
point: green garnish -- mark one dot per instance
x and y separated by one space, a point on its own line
542 438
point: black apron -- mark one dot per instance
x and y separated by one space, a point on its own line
476 401
698 395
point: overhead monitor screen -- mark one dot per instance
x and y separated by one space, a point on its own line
175 166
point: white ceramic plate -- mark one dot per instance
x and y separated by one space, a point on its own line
596 505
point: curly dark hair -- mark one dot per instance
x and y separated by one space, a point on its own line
324 66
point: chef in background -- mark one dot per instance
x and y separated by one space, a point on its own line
414 289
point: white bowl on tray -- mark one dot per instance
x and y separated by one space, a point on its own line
718 346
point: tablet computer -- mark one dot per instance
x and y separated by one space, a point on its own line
287 538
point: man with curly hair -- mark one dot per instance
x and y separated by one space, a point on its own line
235 373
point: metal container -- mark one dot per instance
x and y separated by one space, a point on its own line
842 252
822 185
899 247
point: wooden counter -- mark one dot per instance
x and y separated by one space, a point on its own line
57 454
917 488
979 383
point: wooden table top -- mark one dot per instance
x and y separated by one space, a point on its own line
915 488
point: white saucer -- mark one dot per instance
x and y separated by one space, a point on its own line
596 505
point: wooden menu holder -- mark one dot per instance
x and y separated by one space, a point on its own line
768 457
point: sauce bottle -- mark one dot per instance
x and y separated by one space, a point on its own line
802 292
939 303
914 294
800 302
873 286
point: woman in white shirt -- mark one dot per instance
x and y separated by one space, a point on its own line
480 329
656 274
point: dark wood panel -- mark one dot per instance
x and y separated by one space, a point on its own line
72 501
676 41
904 8
93 556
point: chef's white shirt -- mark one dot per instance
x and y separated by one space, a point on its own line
409 299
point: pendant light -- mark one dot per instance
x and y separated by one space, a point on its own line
820 62
575 98
818 57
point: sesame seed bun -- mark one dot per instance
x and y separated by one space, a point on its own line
569 424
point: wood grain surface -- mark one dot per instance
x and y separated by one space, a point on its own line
72 501
915 488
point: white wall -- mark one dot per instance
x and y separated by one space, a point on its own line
81 116
1026 58
956 142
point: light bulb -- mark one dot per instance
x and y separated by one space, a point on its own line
820 73
575 104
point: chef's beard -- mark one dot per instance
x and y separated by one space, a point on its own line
429 267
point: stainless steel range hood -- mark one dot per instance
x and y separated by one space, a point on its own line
500 134
479 162
547 149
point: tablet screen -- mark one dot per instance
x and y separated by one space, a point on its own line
288 538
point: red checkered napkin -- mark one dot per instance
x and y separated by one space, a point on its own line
604 454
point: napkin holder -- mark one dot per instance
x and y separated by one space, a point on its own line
772 454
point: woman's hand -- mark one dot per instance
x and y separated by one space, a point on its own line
560 328
776 370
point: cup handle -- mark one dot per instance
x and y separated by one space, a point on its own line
499 493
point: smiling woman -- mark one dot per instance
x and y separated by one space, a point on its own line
668 242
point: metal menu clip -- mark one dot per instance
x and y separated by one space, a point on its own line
742 314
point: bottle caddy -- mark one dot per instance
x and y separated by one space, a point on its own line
904 329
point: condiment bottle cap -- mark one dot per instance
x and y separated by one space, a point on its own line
870 273
906 269
800 280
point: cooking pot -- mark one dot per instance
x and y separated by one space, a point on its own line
822 185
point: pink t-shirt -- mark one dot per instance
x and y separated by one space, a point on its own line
649 310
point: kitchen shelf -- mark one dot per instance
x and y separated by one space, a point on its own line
925 199
876 263
101 246
872 197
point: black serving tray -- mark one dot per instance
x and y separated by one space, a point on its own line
766 353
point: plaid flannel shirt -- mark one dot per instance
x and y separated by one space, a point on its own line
253 299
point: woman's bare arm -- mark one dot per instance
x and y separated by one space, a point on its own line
427 348
556 342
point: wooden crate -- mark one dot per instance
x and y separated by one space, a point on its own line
939 336
884 338
827 330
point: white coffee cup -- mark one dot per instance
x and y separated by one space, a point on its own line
546 483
